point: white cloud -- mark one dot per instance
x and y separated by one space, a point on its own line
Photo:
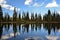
2 1
36 4
4 4
53 4
27 2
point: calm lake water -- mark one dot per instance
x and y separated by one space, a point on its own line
25 31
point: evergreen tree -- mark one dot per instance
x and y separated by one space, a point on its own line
5 18
32 16
23 15
49 15
39 17
27 16
36 16
8 17
19 16
1 14
15 15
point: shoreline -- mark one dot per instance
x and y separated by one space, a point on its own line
30 22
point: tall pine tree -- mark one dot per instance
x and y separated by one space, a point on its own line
15 15
1 14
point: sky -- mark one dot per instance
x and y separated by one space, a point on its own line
36 6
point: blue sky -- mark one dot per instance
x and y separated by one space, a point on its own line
36 6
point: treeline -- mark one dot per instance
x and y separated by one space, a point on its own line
51 16
26 17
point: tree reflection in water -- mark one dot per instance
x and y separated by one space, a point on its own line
6 26
49 27
1 30
32 27
19 27
14 29
28 28
35 27
25 28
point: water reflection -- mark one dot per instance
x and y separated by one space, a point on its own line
19 27
6 26
49 27
28 28
14 29
1 30
25 28
35 27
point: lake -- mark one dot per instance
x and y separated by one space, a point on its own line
30 31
